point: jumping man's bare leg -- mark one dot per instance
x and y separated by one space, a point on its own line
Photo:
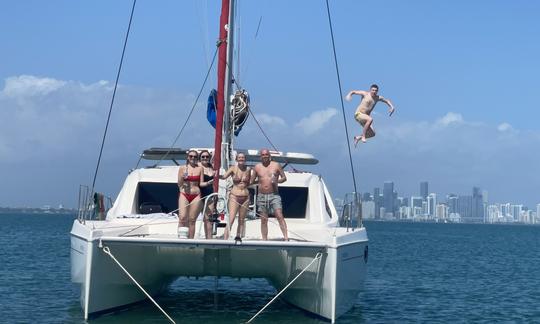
367 126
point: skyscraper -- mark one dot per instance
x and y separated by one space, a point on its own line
366 196
516 211
477 205
431 204
368 209
452 201
506 210
464 206
403 202
424 190
416 202
388 196
441 212
377 200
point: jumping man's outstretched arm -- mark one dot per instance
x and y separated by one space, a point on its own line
355 92
389 103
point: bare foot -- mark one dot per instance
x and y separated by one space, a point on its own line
356 140
363 139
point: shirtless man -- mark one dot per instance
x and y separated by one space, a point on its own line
363 112
268 174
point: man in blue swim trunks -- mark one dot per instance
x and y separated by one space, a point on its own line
268 174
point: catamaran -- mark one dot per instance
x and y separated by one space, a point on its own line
132 251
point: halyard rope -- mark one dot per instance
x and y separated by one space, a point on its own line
341 96
317 256
192 109
114 94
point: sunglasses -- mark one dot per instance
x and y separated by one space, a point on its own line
192 156
205 157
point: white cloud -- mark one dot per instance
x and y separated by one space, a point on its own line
450 118
270 120
53 117
51 123
316 120
29 85
504 127
97 85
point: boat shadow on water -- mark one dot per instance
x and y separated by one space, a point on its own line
198 301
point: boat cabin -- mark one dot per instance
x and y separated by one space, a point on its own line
154 189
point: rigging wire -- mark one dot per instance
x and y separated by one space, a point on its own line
239 38
239 87
258 26
202 13
113 95
192 108
341 95
269 141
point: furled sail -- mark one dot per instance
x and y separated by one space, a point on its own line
240 110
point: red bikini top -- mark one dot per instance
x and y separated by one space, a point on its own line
192 178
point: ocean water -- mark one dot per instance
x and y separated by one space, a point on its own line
418 272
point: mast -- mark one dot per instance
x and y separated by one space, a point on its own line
223 135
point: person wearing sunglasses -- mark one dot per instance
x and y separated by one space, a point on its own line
239 195
207 188
189 199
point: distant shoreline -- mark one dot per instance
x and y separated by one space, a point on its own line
369 220
32 210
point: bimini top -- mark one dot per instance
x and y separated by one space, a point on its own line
175 154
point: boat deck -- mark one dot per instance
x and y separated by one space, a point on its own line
165 231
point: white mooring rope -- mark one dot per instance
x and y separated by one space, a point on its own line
318 256
108 252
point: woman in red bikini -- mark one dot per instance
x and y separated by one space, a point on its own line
189 199
239 194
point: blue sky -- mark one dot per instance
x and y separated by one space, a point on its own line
463 75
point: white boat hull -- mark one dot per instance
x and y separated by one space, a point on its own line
328 288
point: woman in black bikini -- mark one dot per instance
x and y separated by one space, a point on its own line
207 188
189 199
239 195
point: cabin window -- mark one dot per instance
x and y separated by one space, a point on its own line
294 201
156 197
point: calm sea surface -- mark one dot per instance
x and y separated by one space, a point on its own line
417 273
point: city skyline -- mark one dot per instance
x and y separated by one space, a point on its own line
453 207
424 187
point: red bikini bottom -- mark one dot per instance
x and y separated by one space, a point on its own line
190 197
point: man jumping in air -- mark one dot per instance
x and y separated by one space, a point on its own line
363 112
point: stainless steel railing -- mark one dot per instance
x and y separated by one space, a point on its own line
351 213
